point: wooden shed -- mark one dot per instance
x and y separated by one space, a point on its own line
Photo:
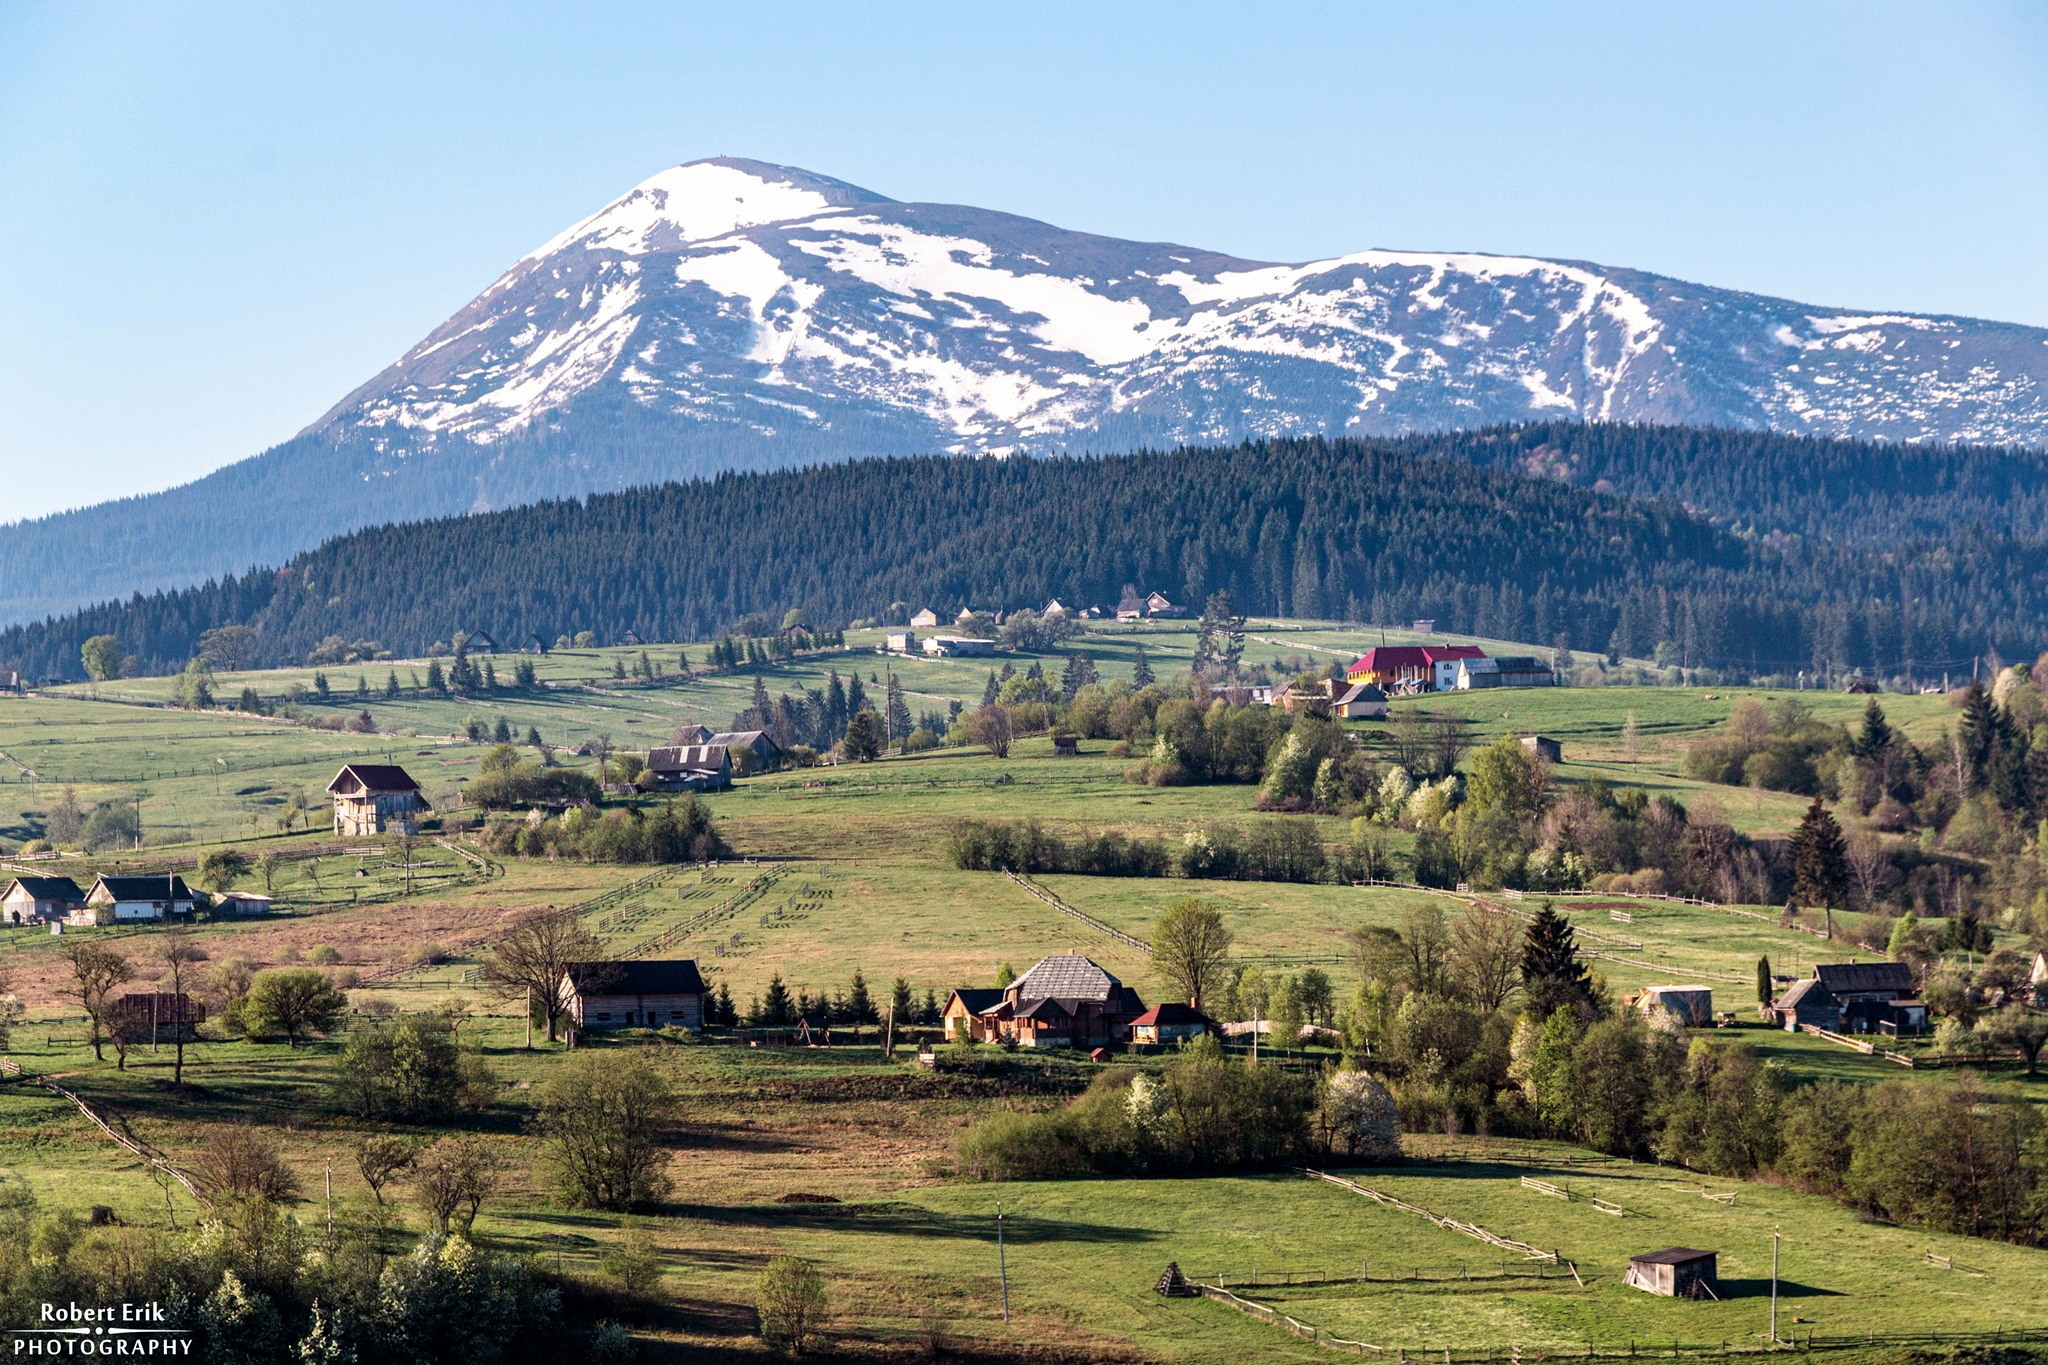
1676 1272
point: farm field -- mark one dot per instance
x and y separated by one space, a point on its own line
904 1246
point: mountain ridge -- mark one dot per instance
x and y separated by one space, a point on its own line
729 314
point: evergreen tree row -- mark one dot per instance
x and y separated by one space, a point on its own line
1365 531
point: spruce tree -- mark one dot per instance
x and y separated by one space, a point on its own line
777 1011
727 1015
860 1006
990 690
1552 975
502 734
437 681
929 1012
391 685
1141 668
362 688
761 709
1876 735
1820 863
1765 992
902 1005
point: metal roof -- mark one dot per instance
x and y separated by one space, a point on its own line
672 976
1066 976
1673 1256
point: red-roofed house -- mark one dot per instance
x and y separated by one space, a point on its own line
1432 668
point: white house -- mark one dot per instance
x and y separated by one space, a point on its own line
133 900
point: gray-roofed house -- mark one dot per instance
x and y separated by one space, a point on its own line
133 900
1875 997
376 798
1361 701
690 767
1067 1001
38 900
753 751
1808 1002
964 1015
662 993
1679 1272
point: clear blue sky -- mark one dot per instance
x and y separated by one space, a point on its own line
217 219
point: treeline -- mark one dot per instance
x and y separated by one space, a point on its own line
1262 850
1367 531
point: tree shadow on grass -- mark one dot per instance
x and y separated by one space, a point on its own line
899 1219
1761 1289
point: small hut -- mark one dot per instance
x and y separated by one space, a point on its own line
1676 1272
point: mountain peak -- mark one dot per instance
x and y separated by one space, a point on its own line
701 200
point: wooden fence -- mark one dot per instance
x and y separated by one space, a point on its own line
1534 1253
1109 931
142 1153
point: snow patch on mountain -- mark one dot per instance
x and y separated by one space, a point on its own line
732 296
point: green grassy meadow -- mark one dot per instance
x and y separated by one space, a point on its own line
844 868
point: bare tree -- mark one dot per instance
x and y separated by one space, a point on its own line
380 1157
242 1162
181 958
1486 956
1631 741
1449 738
1411 745
1427 944
96 971
1870 868
454 1172
532 962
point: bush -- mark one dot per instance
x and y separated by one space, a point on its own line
411 1068
242 1162
1202 1112
633 1263
790 1298
294 1001
603 1116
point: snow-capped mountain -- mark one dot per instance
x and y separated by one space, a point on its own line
757 301
728 314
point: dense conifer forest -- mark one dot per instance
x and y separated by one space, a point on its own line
1737 551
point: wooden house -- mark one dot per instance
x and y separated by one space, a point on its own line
900 642
39 900
480 642
927 619
1168 1023
1066 746
690 767
10 681
1361 701
2038 979
1056 609
1692 1006
1544 747
1676 1272
1875 997
654 994
241 904
376 798
1807 1002
1130 607
133 900
1158 604
753 751
1064 1001
964 1015
159 1016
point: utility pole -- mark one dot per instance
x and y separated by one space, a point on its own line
330 1201
1003 1269
1774 1288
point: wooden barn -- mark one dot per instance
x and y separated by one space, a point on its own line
34 900
1676 1272
159 1016
376 798
655 994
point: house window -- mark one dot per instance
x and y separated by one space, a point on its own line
604 1017
676 1015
